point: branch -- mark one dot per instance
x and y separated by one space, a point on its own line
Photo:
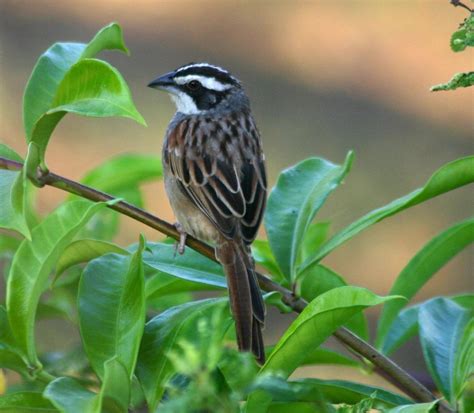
458 3
383 365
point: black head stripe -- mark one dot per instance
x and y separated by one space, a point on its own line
200 69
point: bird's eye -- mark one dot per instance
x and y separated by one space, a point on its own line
193 85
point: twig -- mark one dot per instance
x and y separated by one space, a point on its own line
383 365
459 3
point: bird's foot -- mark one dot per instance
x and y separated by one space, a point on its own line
180 245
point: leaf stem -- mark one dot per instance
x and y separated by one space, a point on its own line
384 366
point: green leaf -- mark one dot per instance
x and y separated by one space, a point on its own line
115 390
9 153
263 256
326 356
25 402
315 236
464 363
334 391
85 250
463 37
441 324
316 323
281 390
161 336
71 397
318 279
111 304
12 207
341 391
34 261
415 408
405 325
436 253
66 79
450 176
191 266
53 65
458 80
123 172
12 196
298 195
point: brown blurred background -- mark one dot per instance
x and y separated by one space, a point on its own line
323 77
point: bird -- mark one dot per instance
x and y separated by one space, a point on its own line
215 180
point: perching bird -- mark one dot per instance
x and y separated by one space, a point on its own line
214 171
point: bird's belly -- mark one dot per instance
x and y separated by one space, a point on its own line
193 221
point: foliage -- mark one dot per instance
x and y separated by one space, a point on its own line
146 341
460 40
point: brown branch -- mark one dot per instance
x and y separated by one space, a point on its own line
458 3
383 365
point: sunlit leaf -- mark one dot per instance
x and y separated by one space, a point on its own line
191 266
318 279
111 304
67 79
69 396
162 335
450 176
85 250
298 195
33 263
441 324
422 267
312 327
458 80
12 196
25 402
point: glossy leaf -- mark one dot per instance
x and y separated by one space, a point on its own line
316 323
162 334
318 279
325 356
263 256
464 36
115 390
67 79
441 325
422 267
315 236
415 408
463 375
465 79
450 176
25 402
111 304
12 196
298 195
333 391
53 65
34 261
123 172
341 391
191 266
69 396
405 325
85 250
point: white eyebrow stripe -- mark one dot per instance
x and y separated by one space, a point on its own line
220 69
208 82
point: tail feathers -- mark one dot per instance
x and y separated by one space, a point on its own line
245 297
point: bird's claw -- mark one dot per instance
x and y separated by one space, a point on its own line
180 245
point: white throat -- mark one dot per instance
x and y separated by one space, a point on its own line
184 103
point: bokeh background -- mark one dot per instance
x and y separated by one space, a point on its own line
324 77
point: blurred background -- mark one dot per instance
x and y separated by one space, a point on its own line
323 77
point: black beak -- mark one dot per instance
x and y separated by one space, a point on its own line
162 81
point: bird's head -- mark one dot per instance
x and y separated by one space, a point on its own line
201 88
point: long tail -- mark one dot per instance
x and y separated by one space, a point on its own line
246 300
